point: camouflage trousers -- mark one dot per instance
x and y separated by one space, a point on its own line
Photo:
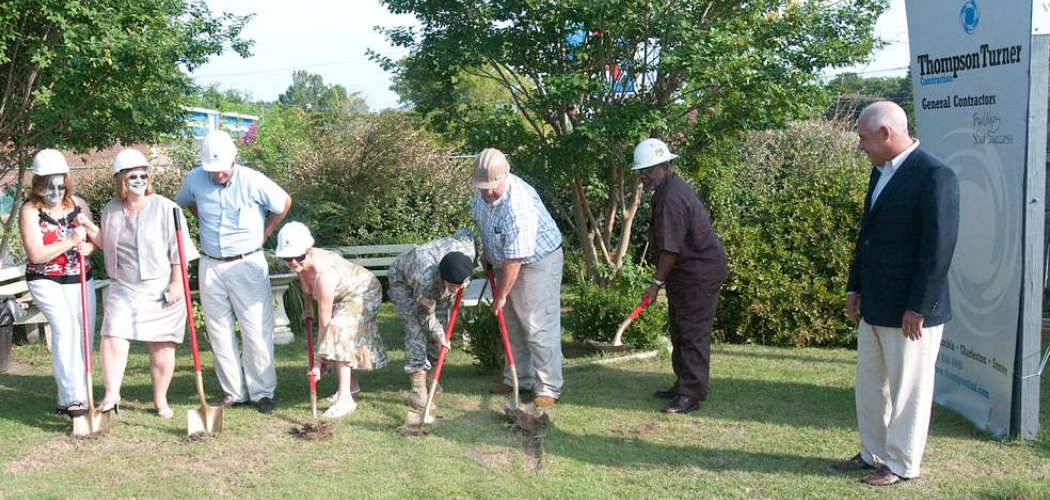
421 351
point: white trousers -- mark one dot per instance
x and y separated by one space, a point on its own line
61 306
533 316
895 378
240 291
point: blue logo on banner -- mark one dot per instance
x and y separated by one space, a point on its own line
969 16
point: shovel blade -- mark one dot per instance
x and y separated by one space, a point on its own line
416 418
206 419
90 424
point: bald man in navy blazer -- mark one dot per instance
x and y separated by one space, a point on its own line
898 293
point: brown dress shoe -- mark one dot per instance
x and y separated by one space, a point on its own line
682 404
501 388
855 463
544 401
882 477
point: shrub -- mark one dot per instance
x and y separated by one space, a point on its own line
364 179
484 342
787 205
596 312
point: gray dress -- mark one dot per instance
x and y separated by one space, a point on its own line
135 307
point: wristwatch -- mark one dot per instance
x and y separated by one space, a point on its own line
658 283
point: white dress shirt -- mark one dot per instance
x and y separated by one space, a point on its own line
886 171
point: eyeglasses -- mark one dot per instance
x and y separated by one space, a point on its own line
297 260
136 177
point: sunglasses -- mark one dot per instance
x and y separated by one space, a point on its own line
297 260
136 177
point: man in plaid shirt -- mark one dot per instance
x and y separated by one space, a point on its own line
523 245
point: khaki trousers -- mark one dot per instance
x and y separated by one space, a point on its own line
533 316
894 395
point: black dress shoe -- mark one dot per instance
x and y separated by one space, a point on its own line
265 405
666 393
682 404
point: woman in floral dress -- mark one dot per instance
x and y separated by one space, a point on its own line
348 297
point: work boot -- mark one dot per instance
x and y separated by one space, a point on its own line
417 398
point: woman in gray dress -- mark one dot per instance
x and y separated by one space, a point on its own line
143 301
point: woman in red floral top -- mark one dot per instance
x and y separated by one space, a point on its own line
52 238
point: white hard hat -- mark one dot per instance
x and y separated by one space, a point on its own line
129 159
293 240
651 152
217 151
49 162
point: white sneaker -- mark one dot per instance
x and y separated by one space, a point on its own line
335 412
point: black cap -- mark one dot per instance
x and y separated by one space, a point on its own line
456 267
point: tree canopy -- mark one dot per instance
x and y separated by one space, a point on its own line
588 79
309 92
80 75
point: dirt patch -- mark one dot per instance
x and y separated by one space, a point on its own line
526 421
313 431
637 431
15 367
494 459
534 453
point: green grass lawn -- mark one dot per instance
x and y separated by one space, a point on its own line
775 421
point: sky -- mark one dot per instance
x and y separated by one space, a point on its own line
331 37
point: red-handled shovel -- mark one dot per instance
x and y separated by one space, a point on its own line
414 418
617 342
506 344
206 419
313 378
93 422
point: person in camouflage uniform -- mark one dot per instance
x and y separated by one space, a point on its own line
423 282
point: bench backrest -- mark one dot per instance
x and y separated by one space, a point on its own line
12 281
375 258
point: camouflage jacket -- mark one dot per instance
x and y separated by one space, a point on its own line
417 270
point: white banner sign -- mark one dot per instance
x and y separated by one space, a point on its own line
969 66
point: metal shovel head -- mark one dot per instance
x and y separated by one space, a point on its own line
90 424
206 419
416 418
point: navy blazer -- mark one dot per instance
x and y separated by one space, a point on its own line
906 243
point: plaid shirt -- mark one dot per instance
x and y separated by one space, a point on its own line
516 226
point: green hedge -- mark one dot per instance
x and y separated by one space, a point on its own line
787 205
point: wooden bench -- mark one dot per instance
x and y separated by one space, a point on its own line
13 283
378 258
375 258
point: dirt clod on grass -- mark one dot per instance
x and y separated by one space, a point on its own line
196 437
313 431
528 422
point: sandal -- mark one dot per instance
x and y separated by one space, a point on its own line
165 413
335 412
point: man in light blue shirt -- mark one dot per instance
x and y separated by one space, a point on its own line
523 244
237 208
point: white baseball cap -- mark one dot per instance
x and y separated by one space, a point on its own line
129 159
651 152
217 151
49 162
293 240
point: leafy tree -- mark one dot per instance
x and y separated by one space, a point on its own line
229 100
309 92
851 92
590 78
81 75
